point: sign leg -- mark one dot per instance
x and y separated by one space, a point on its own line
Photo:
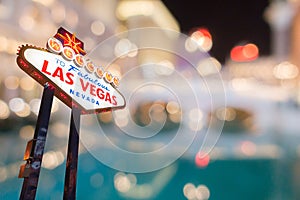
35 148
72 156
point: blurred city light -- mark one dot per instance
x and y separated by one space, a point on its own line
244 53
125 48
26 132
16 104
209 66
52 159
202 159
259 140
124 182
286 70
191 192
248 148
203 39
132 8
164 67
24 112
97 27
4 110
227 114
97 180
27 83
200 39
11 82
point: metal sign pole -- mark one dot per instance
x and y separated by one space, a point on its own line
72 156
35 147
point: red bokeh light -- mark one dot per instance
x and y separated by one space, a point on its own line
244 53
202 159
200 32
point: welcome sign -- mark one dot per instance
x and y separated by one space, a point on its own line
76 79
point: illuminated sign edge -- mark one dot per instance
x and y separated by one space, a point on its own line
69 101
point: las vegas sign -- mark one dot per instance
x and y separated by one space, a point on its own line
76 79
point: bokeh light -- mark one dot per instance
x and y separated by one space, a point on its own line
191 192
52 159
35 105
27 83
4 110
164 67
248 148
226 114
25 112
16 104
96 180
97 27
244 53
26 132
203 39
202 159
12 82
124 182
209 66
285 70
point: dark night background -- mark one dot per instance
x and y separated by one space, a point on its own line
230 22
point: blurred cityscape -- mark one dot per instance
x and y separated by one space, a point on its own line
232 126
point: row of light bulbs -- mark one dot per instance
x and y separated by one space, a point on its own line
54 45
